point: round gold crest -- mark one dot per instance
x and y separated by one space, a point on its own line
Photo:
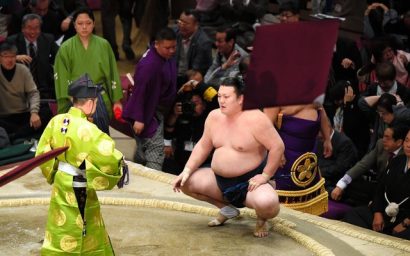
304 169
47 239
100 183
106 147
79 221
70 197
59 217
68 243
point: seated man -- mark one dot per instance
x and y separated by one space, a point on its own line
20 112
37 50
389 211
343 157
360 191
227 59
247 153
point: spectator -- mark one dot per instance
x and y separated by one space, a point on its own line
384 95
20 113
194 48
109 10
66 9
348 118
288 12
358 185
227 59
51 19
185 124
344 156
153 95
389 211
88 53
37 50
385 51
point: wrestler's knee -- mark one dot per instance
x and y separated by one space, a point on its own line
267 207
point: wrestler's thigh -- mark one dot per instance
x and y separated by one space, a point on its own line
263 195
203 181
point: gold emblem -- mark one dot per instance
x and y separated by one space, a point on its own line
100 183
47 239
68 243
79 221
54 191
304 169
106 169
70 197
90 243
84 133
80 157
59 217
106 147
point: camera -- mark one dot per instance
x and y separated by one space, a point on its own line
187 106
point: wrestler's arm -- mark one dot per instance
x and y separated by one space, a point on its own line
204 146
267 136
200 152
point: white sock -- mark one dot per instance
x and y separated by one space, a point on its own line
229 211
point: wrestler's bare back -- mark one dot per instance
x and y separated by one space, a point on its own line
237 151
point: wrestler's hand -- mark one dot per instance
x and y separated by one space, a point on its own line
256 181
282 161
336 194
378 222
181 179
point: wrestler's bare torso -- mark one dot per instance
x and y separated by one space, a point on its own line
236 149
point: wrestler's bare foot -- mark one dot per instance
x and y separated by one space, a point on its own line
261 228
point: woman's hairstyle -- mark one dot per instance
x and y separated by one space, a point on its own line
84 10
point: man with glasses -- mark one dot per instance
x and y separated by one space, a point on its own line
289 12
20 112
194 48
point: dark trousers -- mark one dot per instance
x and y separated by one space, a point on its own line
109 10
362 216
18 126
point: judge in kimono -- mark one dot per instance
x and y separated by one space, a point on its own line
86 52
91 162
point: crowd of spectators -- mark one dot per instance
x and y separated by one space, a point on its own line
367 98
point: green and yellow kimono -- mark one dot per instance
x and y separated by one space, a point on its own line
98 60
67 233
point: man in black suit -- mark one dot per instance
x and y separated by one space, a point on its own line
194 48
344 156
51 18
37 50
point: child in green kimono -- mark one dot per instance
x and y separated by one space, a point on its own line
91 162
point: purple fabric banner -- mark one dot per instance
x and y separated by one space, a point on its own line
290 63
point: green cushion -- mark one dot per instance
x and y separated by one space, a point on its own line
15 151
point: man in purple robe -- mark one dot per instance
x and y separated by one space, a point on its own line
153 95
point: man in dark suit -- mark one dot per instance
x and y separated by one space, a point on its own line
37 50
194 48
51 18
360 191
343 157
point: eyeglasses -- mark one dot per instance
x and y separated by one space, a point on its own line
286 15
